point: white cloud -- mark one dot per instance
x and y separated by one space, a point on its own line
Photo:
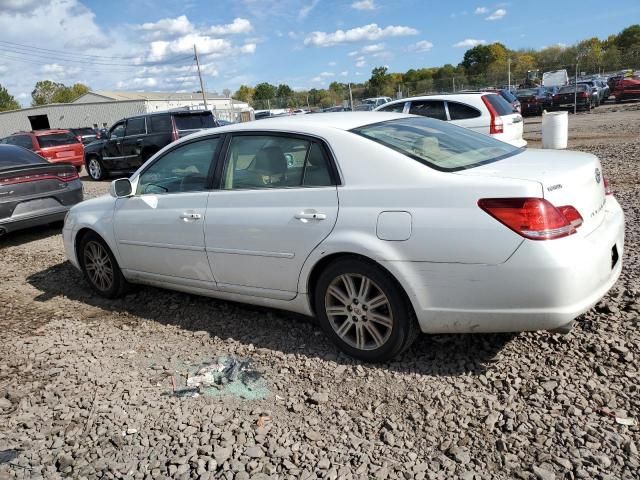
481 10
469 43
375 48
354 53
370 32
168 26
344 74
422 46
327 74
360 62
364 5
497 15
238 26
306 10
332 64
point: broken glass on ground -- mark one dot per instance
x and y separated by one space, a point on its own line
224 376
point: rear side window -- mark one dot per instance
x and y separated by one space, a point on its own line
500 105
160 123
13 157
56 139
135 126
23 141
194 122
429 108
396 107
460 111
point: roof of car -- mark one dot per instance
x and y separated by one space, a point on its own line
442 95
41 132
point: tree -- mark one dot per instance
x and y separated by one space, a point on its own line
244 94
284 91
226 93
264 91
7 101
628 37
379 81
46 92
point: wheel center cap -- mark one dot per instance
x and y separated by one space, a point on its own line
357 311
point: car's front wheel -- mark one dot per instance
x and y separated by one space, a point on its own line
364 311
95 169
100 268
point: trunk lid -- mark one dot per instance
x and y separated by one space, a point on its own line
21 181
566 177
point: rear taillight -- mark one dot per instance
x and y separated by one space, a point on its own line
583 95
533 218
79 138
496 125
63 176
607 186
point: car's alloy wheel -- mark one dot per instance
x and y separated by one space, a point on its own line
364 311
95 169
359 311
100 267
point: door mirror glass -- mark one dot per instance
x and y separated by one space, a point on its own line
121 188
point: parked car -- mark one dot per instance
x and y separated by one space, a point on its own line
34 191
131 141
510 97
626 89
56 146
605 88
471 234
85 134
482 112
336 109
596 90
365 107
582 96
535 100
376 101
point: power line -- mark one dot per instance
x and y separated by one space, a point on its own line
62 52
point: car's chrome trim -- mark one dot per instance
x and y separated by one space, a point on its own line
120 157
255 253
194 248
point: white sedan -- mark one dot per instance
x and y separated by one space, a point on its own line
381 225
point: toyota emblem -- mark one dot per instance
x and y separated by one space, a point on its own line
598 175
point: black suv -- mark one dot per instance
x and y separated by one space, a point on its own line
132 141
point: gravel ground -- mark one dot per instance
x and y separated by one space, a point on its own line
86 385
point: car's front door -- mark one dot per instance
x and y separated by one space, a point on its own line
160 229
133 141
277 201
112 149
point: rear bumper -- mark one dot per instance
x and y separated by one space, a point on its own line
543 285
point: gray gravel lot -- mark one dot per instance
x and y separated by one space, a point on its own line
86 384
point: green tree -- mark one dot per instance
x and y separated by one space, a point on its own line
628 37
7 101
68 94
264 91
379 81
244 94
44 92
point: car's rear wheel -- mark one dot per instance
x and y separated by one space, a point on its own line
364 311
100 268
95 169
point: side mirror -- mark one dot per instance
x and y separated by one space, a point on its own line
121 188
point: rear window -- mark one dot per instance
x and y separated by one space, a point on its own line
193 122
83 131
160 123
572 88
439 145
14 157
508 96
56 139
501 106
460 111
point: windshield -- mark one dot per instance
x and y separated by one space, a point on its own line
194 122
440 145
56 139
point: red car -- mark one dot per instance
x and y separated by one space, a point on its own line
56 146
626 89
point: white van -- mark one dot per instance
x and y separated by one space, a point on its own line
555 78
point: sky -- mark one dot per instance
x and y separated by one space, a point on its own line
147 45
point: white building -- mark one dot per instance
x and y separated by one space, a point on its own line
102 109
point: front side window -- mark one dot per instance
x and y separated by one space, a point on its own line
135 126
118 130
429 108
266 161
183 169
396 107
442 146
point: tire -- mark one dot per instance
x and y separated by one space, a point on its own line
345 310
100 268
95 169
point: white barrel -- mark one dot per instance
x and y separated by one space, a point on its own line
555 130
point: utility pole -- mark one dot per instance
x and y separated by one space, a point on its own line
575 91
204 95
509 83
350 97
453 80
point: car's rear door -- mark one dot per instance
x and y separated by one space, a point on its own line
133 142
277 201
160 229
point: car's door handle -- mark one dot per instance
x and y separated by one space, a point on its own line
191 216
311 216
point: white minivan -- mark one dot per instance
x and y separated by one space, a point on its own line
484 112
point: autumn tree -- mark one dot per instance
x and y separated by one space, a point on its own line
244 94
46 92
